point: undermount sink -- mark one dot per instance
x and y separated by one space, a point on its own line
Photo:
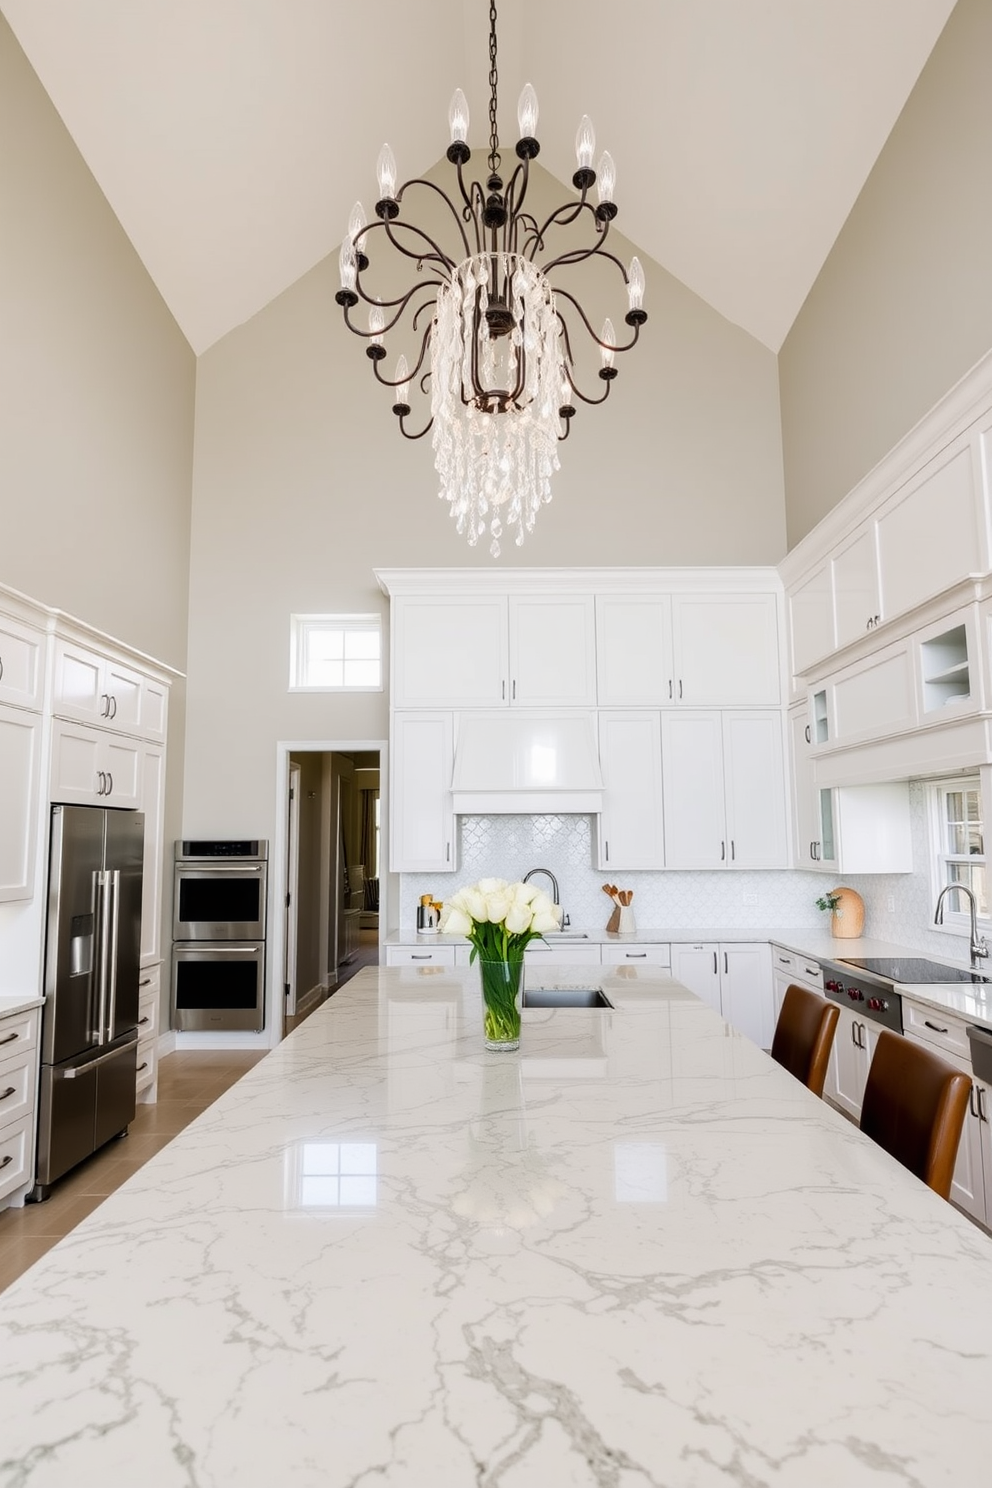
565 997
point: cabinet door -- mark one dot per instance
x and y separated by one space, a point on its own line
449 653
79 684
936 518
854 574
153 806
422 836
845 1084
697 966
811 619
634 651
21 664
631 831
20 764
122 764
805 822
154 709
746 991
754 790
726 650
692 773
124 688
552 651
90 767
874 698
968 1181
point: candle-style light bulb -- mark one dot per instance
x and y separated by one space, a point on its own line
608 336
585 142
385 169
527 113
635 284
377 321
348 265
356 221
458 117
606 177
402 380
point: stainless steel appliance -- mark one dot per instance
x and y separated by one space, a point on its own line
218 954
89 1037
869 993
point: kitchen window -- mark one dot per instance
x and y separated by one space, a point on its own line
335 653
959 841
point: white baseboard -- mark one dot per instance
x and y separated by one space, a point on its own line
232 1039
166 1043
304 1003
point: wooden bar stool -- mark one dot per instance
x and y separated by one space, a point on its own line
804 1036
914 1106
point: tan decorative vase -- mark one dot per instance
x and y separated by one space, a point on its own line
847 922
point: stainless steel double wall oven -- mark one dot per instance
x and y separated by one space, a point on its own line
218 927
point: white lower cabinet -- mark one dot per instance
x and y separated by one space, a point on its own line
422 821
790 969
735 979
631 827
20 796
540 953
420 955
971 1185
629 953
724 787
92 767
149 1001
850 1058
18 1100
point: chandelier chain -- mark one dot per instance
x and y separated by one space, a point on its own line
494 158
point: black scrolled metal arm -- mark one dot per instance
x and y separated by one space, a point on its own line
403 429
564 216
402 303
456 215
606 345
521 177
398 381
436 255
582 255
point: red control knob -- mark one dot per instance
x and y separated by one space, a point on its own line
855 994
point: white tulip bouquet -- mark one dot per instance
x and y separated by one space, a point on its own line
500 919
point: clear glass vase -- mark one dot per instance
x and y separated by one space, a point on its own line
502 990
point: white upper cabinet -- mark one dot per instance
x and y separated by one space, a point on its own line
725 650
634 651
449 652
20 766
422 821
22 669
105 691
91 767
631 832
552 651
854 571
494 651
811 619
928 534
724 790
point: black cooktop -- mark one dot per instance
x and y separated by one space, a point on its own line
913 970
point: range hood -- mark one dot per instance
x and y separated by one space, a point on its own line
524 762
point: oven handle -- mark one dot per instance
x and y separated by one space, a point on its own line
219 872
213 948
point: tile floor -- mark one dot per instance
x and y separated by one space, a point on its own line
188 1082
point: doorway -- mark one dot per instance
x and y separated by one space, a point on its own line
326 878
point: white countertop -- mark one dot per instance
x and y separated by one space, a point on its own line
636 1253
13 1002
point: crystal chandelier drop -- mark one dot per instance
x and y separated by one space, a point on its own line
491 336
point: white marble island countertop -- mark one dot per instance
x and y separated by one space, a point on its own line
635 1254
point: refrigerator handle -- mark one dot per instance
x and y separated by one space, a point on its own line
113 917
103 907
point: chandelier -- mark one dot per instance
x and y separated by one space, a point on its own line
491 332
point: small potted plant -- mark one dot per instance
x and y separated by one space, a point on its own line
847 912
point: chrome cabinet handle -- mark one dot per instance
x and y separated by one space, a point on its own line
502 689
10 1038
428 956
733 849
670 690
101 789
726 966
935 1026
723 852
145 982
110 787
113 701
513 691
854 1034
606 845
447 852
105 700
6 1094
680 689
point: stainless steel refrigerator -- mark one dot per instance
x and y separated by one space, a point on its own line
92 953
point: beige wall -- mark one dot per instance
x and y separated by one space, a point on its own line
97 393
302 486
903 305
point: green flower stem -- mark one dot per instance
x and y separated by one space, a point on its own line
501 997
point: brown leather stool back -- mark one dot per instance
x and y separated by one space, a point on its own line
914 1106
804 1036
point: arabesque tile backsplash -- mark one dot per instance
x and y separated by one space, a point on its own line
507 846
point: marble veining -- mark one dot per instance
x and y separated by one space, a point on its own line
636 1254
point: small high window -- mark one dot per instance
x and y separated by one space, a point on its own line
335 653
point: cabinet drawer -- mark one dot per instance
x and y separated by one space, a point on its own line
783 961
15 1154
442 955
147 1063
149 984
18 1032
17 1084
636 955
805 972
937 1028
539 953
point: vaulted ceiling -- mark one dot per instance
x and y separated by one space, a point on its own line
231 137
